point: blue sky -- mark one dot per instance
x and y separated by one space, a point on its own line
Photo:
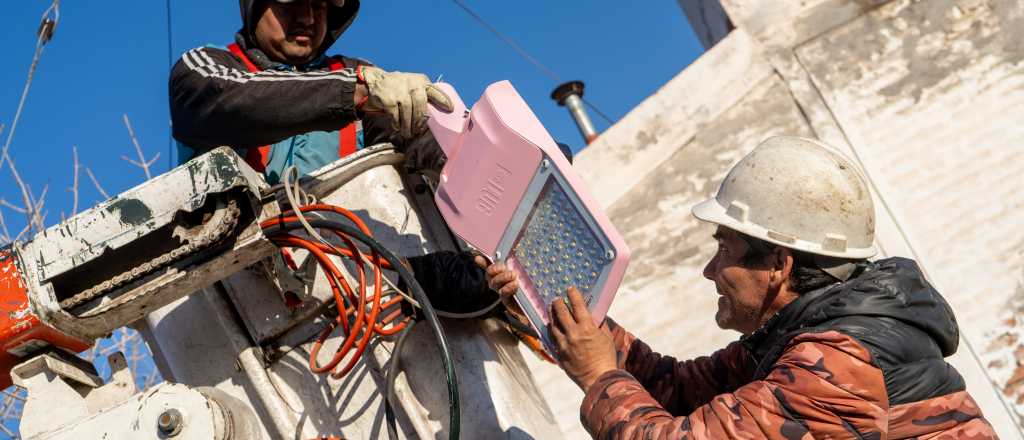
110 58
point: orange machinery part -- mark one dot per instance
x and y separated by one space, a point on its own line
21 332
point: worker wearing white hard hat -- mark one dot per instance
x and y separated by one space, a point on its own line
833 345
800 194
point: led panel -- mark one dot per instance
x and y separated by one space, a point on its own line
508 191
557 248
554 243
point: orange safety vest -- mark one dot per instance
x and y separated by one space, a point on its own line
259 157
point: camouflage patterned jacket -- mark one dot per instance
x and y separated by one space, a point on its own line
861 359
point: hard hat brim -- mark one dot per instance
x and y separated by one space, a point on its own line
713 212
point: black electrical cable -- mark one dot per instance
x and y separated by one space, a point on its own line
392 376
417 292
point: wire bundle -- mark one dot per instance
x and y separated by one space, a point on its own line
352 303
358 325
360 315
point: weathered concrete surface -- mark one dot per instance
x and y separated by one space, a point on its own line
708 20
663 235
922 94
936 123
664 122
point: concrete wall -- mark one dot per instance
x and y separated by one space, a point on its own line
707 19
921 93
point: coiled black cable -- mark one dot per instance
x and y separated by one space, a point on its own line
392 376
429 314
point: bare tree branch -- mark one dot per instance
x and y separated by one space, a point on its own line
5 234
46 27
10 433
74 181
32 217
25 191
9 406
142 162
12 395
37 209
96 183
22 233
13 207
129 160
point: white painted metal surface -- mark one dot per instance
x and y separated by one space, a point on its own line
131 215
67 401
208 339
129 232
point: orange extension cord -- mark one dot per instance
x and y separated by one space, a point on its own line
363 325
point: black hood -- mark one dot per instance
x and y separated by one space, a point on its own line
338 20
892 288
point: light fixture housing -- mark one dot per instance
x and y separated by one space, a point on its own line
508 191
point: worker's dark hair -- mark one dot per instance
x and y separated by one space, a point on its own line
806 275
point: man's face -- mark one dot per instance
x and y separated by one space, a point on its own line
292 33
743 290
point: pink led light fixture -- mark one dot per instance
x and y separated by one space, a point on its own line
508 191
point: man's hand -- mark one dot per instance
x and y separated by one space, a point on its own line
403 96
500 278
503 280
584 351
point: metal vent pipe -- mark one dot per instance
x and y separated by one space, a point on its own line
570 95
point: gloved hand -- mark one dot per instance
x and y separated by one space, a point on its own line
423 155
402 96
452 281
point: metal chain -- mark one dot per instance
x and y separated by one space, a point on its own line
206 239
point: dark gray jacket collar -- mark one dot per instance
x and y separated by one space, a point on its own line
893 288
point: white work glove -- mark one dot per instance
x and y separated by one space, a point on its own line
403 97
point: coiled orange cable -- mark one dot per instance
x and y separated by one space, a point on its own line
364 324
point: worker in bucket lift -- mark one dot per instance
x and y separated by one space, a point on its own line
833 345
280 101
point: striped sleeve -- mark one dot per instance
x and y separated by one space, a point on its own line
216 101
823 384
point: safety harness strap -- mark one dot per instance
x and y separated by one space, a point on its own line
259 157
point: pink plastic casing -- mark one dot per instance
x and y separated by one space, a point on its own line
493 152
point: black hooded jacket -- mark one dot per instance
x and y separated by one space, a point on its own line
861 360
892 311
216 101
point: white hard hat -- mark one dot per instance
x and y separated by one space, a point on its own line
800 194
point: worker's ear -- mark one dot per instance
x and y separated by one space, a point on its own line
780 267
